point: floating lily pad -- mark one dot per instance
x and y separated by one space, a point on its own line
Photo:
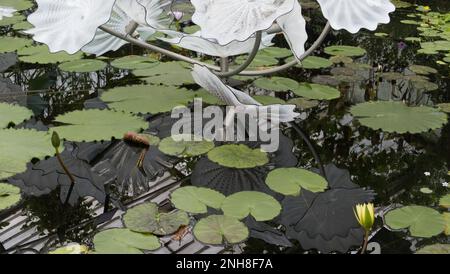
168 74
315 62
185 146
196 199
276 83
97 125
219 229
41 55
9 196
146 218
19 146
261 206
146 98
303 104
447 223
397 117
426 190
423 70
341 59
290 181
316 91
10 44
124 241
444 107
268 100
348 51
73 248
83 65
7 21
17 4
421 221
23 25
13 114
445 201
238 156
435 249
134 62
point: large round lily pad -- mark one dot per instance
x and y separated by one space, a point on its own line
219 229
96 125
185 146
19 146
276 83
17 4
445 201
238 156
41 55
146 218
421 221
124 241
168 74
10 44
348 51
147 99
83 65
290 181
261 206
134 62
9 196
196 199
13 114
423 70
398 117
316 91
315 62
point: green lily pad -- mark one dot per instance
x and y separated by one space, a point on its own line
238 156
219 229
426 190
19 146
276 83
9 196
10 44
83 65
134 62
447 223
17 4
421 221
261 206
7 21
423 70
41 55
348 51
445 201
303 103
207 97
146 98
97 125
268 100
23 25
13 114
444 107
315 62
316 91
196 199
435 249
124 241
338 59
168 73
177 146
146 218
73 248
290 181
397 117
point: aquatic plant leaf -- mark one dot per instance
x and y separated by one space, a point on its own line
146 218
261 206
315 62
316 91
41 55
167 73
13 114
435 249
8 21
303 103
177 146
11 44
238 156
9 196
268 100
445 201
290 181
73 248
445 107
146 98
83 65
422 70
347 51
124 241
96 125
397 117
276 83
421 221
447 223
135 62
19 146
196 199
219 229
18 5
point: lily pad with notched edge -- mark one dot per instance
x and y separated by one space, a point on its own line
13 114
397 117
124 241
96 125
9 196
261 206
316 91
146 218
219 229
290 181
185 146
421 221
238 156
196 199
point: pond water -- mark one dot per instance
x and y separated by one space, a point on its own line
402 169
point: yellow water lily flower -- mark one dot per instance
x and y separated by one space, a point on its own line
365 214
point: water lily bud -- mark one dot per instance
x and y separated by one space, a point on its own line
178 15
56 142
365 214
